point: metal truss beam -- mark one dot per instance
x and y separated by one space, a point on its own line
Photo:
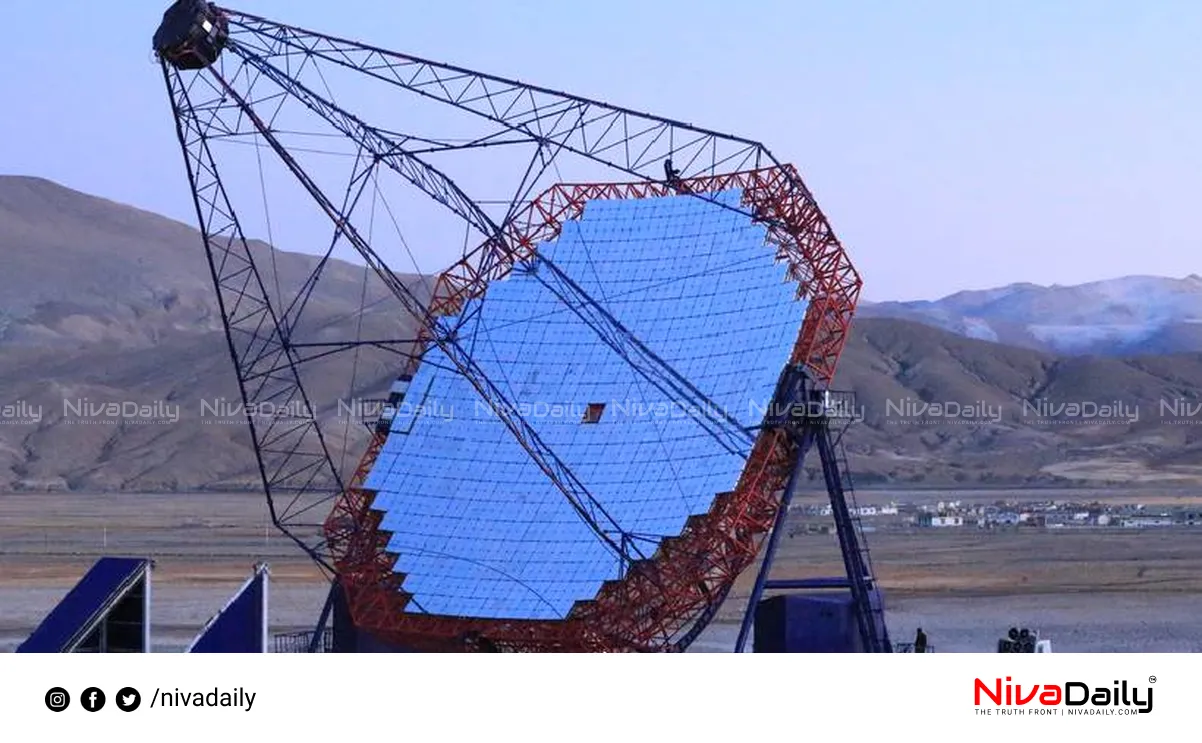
292 457
419 173
633 142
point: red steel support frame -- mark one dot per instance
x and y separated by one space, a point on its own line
662 596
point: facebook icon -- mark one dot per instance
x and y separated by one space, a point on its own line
92 699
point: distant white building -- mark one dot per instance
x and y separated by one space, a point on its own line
1144 522
940 521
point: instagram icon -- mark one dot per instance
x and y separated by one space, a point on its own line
57 699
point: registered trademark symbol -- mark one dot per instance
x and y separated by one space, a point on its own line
1151 679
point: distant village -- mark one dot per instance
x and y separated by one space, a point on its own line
953 514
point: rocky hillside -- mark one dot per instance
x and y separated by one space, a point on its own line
103 304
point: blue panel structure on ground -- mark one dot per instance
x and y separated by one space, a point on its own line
479 529
85 605
241 625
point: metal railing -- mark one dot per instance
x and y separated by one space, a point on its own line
301 642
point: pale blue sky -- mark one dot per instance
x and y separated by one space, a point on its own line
954 145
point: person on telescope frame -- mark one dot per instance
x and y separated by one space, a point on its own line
920 641
671 175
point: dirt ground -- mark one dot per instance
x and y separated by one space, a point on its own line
205 545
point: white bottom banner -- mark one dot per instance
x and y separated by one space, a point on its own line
603 698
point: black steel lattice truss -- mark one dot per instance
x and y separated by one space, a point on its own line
545 137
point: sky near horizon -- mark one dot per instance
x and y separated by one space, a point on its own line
953 145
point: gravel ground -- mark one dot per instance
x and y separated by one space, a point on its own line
1075 623
1116 591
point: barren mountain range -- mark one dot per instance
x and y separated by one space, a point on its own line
101 303
1129 316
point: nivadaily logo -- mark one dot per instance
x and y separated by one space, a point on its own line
1072 697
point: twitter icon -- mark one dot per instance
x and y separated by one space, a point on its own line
128 699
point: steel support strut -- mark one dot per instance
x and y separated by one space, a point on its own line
802 411
757 590
865 596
